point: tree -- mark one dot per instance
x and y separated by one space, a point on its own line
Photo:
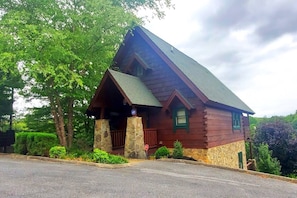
66 45
281 139
40 120
9 79
265 162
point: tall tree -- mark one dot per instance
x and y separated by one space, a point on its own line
66 45
281 139
10 78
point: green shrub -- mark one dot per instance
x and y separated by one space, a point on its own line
116 159
77 152
100 156
87 156
162 152
292 175
35 143
20 145
57 152
177 150
265 162
39 144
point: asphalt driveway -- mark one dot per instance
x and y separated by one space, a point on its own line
35 178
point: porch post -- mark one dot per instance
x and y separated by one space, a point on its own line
102 137
134 144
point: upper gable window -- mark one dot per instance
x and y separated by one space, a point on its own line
137 69
236 121
137 66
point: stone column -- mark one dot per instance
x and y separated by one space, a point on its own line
102 137
134 143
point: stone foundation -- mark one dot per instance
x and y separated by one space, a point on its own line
225 155
134 143
102 137
198 154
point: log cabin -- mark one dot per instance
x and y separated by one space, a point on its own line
174 98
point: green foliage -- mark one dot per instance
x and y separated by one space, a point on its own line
20 125
177 150
40 119
265 162
20 145
83 133
10 78
162 152
292 175
35 143
57 152
116 159
156 6
281 139
76 152
100 156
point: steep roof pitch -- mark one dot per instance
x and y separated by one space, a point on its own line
210 89
132 89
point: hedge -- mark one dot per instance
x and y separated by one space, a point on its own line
34 143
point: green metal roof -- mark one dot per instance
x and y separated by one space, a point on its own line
133 89
201 77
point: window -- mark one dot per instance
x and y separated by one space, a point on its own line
180 119
236 121
138 70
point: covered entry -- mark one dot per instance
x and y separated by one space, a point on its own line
122 105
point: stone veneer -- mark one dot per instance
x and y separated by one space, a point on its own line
102 137
134 143
225 155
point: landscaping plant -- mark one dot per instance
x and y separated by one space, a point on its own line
100 156
57 152
162 152
35 143
177 150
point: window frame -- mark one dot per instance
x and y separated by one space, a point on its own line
236 121
177 125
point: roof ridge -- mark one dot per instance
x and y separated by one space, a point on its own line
207 83
184 54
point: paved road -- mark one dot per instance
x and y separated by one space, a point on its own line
33 178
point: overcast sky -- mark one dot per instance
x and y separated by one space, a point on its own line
250 45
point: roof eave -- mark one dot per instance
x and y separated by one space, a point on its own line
230 108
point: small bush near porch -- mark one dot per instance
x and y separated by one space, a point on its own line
97 156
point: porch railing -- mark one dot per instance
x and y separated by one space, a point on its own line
150 137
118 138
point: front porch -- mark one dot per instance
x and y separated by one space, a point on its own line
118 138
122 107
130 142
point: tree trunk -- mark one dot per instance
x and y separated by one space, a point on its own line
70 122
57 113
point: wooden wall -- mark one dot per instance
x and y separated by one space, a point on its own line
195 137
219 128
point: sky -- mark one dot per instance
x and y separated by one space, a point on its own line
250 45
